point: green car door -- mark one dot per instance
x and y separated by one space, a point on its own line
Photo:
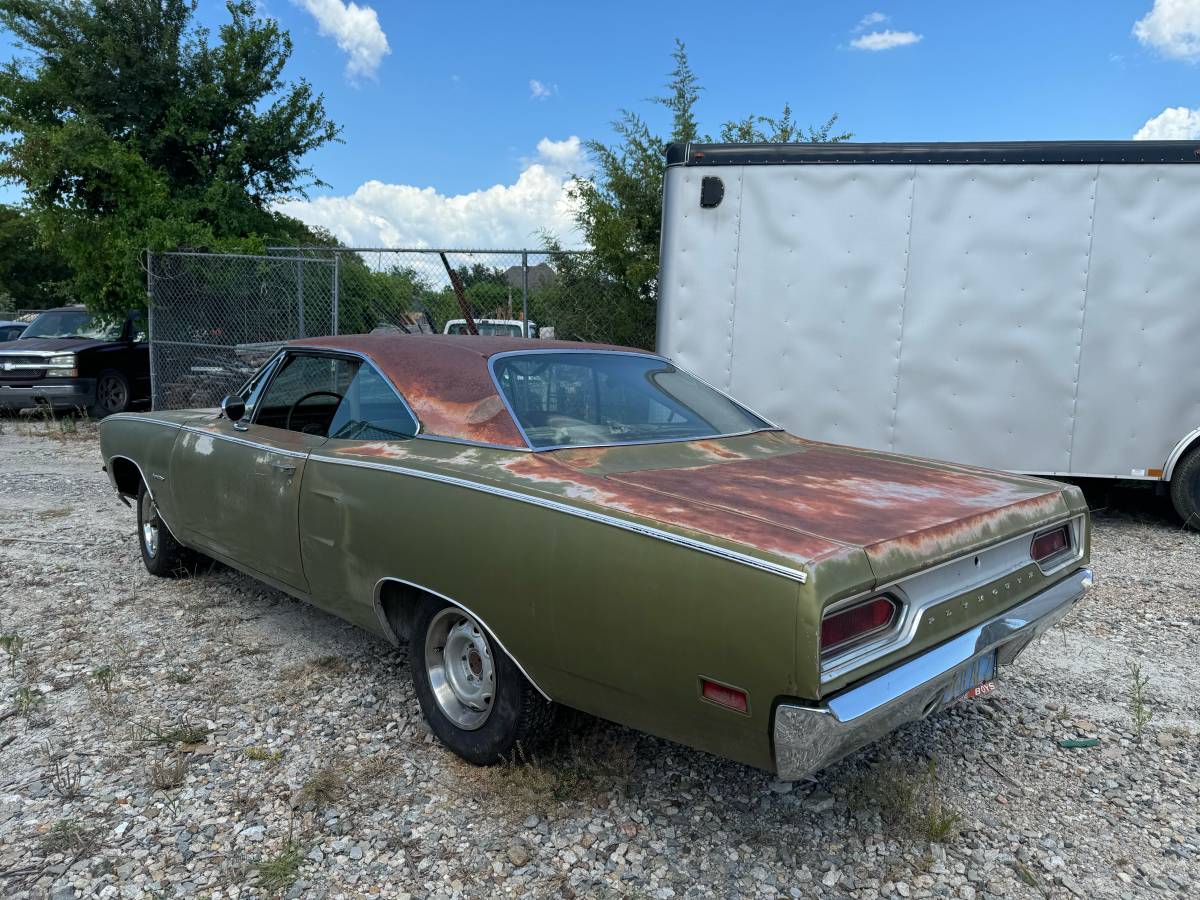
239 482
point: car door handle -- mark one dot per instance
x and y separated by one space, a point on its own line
286 468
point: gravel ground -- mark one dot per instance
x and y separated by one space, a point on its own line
211 737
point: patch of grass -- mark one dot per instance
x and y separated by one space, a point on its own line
325 786
168 735
277 873
12 644
181 676
57 512
907 802
66 779
1139 710
167 771
334 664
262 754
28 700
104 676
68 836
1025 873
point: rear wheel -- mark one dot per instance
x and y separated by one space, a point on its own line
476 700
112 394
1185 488
163 555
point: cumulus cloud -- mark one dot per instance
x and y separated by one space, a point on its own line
1172 27
355 29
539 90
873 18
885 40
1175 123
379 214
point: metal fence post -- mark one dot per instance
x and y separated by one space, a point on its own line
525 292
154 385
300 295
335 292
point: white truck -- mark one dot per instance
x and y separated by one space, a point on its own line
1025 306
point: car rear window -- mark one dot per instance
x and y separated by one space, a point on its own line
582 399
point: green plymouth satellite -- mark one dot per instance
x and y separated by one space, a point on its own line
553 523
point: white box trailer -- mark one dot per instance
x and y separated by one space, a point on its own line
1025 306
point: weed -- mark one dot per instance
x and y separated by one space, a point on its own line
104 676
323 787
332 664
1025 873
65 779
181 732
12 644
182 677
168 771
29 701
1137 698
906 802
262 754
279 871
68 836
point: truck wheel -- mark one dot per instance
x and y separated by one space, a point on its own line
112 394
1185 488
163 555
474 697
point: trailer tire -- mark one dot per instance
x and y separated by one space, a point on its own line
1185 489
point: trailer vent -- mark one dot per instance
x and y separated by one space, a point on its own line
712 191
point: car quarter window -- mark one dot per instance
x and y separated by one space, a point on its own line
305 392
372 410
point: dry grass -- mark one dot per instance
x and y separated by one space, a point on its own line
167 771
325 786
908 802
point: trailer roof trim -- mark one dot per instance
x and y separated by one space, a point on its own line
935 153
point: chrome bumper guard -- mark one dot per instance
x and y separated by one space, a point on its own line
809 738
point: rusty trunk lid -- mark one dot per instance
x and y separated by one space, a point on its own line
903 513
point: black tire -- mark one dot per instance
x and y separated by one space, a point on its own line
1185 488
163 555
112 394
517 716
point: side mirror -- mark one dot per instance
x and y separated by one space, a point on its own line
233 408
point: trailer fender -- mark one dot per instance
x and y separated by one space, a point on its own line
1191 438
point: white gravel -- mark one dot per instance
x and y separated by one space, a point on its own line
309 771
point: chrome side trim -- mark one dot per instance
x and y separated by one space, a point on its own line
491 365
809 738
904 631
1177 453
441 438
378 604
794 574
295 454
138 417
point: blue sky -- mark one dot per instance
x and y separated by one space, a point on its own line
442 123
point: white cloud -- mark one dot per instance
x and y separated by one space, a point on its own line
356 30
1175 123
873 18
1172 27
539 90
378 214
885 40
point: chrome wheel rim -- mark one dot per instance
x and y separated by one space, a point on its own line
111 392
462 670
149 525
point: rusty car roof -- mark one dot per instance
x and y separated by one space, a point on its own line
446 380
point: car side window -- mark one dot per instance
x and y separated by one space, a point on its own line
305 393
372 411
137 327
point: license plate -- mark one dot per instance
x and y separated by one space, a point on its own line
973 681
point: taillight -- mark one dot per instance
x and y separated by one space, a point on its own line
1050 543
859 621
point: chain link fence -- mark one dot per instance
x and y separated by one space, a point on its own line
214 318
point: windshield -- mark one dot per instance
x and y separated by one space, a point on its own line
65 323
575 399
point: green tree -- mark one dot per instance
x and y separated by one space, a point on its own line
32 275
619 205
129 127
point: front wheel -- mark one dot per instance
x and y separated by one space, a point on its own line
1185 489
163 555
474 697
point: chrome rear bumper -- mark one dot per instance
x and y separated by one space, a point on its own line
809 738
